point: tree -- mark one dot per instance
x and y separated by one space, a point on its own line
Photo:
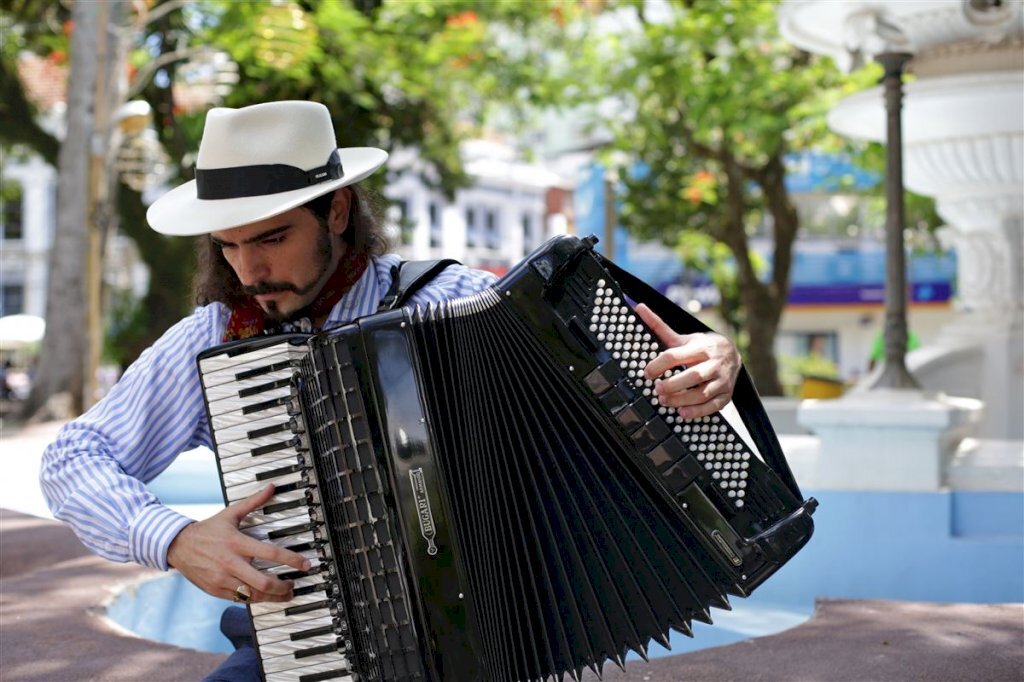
394 74
712 102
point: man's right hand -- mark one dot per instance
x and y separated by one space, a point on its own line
216 556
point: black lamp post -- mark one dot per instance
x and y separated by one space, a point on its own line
894 372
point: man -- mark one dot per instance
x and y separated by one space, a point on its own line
289 242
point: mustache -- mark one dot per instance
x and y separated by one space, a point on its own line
269 288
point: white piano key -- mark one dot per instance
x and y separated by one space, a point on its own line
246 459
283 631
261 531
314 566
229 405
297 674
312 554
234 389
217 365
239 492
235 425
287 647
277 619
259 518
251 474
265 607
289 662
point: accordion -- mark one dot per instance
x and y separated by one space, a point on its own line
488 489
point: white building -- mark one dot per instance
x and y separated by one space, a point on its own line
511 207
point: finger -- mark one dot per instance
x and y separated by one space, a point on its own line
679 356
239 510
255 549
660 328
269 586
691 377
255 595
715 404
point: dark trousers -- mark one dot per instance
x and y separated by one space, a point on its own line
242 665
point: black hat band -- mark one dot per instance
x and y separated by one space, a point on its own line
252 181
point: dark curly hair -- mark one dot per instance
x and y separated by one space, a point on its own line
215 281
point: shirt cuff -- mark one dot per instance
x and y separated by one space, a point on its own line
150 535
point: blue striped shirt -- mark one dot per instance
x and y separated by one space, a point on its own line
94 474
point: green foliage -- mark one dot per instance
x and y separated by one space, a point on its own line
709 100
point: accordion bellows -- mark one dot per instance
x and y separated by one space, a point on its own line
495 492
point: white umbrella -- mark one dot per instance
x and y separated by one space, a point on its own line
21 330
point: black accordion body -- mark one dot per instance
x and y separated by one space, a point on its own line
488 489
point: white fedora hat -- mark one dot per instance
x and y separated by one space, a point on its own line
259 161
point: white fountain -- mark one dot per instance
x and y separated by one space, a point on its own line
963 134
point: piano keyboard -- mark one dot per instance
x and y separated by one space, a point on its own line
259 437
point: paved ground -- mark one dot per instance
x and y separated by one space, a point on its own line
52 594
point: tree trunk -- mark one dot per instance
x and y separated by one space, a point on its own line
761 305
62 357
766 301
763 314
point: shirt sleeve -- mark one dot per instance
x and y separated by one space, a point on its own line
94 474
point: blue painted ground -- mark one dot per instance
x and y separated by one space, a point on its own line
939 547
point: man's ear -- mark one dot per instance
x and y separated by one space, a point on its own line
337 219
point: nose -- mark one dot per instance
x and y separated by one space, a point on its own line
250 266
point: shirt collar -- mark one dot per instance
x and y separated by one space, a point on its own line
366 294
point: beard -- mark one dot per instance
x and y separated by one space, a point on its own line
324 255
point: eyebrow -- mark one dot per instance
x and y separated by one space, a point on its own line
274 231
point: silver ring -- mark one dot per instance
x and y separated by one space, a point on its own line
243 594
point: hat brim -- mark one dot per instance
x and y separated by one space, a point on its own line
181 213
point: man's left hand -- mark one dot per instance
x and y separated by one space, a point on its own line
711 362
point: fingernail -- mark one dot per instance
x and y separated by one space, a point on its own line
306 565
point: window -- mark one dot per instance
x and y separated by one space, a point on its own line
492 229
13 300
471 236
527 233
10 209
406 227
435 225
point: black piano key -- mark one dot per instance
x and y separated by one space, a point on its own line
282 471
289 487
266 405
303 546
306 608
290 530
274 447
263 388
267 431
283 506
326 675
312 632
257 371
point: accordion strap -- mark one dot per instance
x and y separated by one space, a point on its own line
408 277
745 397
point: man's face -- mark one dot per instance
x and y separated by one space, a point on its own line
283 261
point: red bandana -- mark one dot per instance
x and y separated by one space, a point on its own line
248 319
